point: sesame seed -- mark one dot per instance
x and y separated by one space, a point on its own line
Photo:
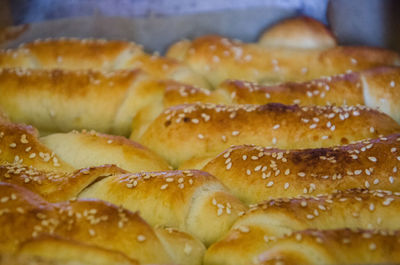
200 136
393 149
244 157
228 166
391 179
310 216
372 207
110 141
392 83
235 133
141 238
13 145
276 126
286 186
372 158
287 171
301 174
248 172
269 184
372 246
163 187
244 229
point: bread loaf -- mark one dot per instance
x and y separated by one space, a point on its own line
92 222
254 173
266 224
76 54
191 131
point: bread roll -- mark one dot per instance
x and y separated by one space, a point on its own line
270 221
192 201
254 173
298 33
219 58
76 54
55 250
343 246
91 222
108 102
377 88
55 186
191 131
88 149
62 153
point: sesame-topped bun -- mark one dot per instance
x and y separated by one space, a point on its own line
254 173
201 130
270 221
91 222
52 250
19 144
192 200
298 33
95 54
341 246
108 102
52 185
218 59
88 149
356 208
376 88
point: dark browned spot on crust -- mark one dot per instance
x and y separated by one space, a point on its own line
186 119
344 140
167 123
278 107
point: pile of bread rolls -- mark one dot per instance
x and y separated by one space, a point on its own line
283 151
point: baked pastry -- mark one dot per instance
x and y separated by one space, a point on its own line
95 54
284 222
376 88
195 131
67 152
342 246
254 173
25 215
218 58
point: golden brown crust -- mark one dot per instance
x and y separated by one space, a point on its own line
274 173
19 144
356 208
89 221
109 102
381 89
334 247
219 58
55 250
52 185
189 131
298 33
271 221
339 90
377 88
76 54
87 149
193 201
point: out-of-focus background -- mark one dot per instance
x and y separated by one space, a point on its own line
157 23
